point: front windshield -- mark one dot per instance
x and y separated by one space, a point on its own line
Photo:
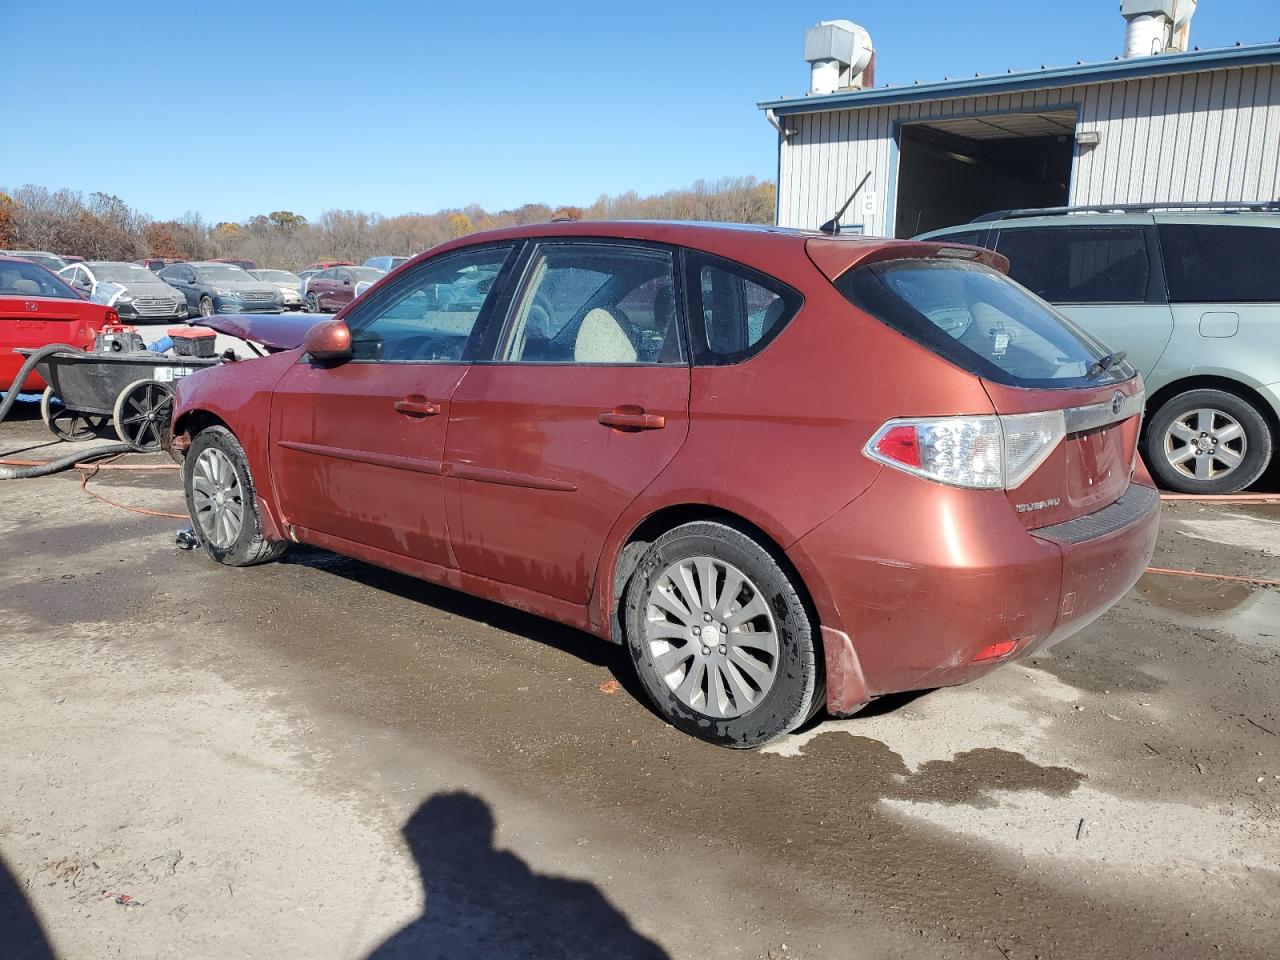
368 274
121 273
276 276
28 280
222 272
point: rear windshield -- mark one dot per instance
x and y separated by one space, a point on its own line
980 320
27 280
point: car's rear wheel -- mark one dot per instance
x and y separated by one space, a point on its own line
1208 441
206 307
721 638
222 500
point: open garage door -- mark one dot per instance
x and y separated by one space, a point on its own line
950 171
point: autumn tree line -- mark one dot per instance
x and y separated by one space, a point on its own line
104 227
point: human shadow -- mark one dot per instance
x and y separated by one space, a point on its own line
21 936
486 902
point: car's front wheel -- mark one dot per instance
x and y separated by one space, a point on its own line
313 305
222 500
720 637
1209 442
206 307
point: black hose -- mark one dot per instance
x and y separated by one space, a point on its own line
8 472
27 367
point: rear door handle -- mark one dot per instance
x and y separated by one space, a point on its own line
416 408
632 418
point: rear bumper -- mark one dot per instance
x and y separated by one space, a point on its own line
924 579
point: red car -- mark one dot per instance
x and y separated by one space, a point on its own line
37 309
330 290
787 470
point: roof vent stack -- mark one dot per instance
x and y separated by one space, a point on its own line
840 56
1156 26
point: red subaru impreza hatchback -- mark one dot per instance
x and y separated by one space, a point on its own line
787 470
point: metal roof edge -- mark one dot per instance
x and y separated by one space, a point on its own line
1108 70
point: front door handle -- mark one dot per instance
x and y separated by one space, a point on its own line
416 407
632 418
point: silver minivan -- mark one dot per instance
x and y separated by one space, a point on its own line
1192 296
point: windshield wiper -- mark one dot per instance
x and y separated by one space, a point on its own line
1105 363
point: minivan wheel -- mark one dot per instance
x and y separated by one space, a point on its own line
1208 441
222 500
720 637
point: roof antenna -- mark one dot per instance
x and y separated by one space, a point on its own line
832 226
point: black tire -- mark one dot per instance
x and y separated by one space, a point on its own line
798 686
68 425
313 305
250 547
206 307
1161 443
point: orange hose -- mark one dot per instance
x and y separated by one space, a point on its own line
88 470
1260 581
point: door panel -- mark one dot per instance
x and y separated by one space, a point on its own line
537 480
348 463
547 448
358 449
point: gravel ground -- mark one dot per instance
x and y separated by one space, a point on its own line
321 759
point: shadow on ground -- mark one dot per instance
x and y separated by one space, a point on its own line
21 936
485 902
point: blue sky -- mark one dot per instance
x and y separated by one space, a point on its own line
233 109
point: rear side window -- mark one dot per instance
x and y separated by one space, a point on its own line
735 311
1079 264
1206 263
978 319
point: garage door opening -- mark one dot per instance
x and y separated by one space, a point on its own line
950 171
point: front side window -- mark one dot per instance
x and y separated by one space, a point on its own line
1211 263
736 310
429 314
595 303
1079 264
980 320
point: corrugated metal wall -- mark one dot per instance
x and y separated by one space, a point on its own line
1213 135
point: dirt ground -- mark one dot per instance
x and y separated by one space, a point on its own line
321 759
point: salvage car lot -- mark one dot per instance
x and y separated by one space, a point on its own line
239 752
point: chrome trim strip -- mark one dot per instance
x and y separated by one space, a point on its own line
1095 415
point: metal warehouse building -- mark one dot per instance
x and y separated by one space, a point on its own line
1152 127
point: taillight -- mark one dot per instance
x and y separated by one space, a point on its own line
982 453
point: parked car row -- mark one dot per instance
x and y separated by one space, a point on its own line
1191 298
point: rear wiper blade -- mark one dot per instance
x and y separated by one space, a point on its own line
1105 363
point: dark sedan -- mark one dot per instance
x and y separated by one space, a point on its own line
212 287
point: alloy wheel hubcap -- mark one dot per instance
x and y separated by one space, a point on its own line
710 637
1205 444
218 497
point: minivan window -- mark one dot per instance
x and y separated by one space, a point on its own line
980 320
1079 264
1206 263
736 311
596 303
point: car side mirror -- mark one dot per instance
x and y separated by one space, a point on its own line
329 341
